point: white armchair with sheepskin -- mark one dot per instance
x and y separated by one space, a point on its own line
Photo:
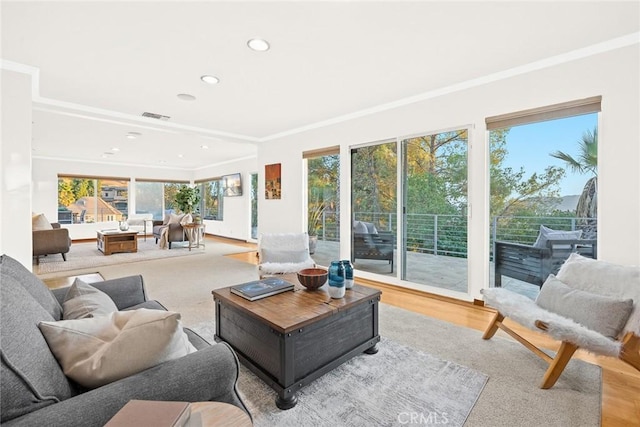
281 253
591 304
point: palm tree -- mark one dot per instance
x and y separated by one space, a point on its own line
586 163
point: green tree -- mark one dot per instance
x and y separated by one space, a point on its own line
373 175
65 192
513 193
323 190
585 163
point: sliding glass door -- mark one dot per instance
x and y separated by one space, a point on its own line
434 243
374 207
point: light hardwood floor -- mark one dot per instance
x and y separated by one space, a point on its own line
620 382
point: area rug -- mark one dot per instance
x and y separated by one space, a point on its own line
510 397
87 255
391 387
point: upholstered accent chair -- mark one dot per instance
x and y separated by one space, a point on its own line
591 304
281 253
172 229
49 238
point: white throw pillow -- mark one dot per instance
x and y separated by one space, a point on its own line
83 300
99 350
175 219
186 219
40 222
547 234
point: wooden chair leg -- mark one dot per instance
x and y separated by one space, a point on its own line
493 326
631 350
558 364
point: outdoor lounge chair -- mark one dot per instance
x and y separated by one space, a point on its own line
534 263
369 243
591 304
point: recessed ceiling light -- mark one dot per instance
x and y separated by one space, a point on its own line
212 80
204 147
133 135
259 45
180 156
186 97
115 149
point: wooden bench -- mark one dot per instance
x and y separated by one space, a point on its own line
532 264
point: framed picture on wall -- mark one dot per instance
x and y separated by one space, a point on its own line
272 181
232 185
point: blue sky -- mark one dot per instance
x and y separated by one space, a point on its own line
529 147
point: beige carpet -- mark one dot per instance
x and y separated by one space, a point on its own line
86 255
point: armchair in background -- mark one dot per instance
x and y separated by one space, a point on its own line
170 230
49 238
369 243
281 253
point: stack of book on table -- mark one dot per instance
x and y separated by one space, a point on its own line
261 288
138 413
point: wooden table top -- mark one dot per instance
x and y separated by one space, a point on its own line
219 414
295 309
63 282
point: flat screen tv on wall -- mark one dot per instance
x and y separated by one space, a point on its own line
232 185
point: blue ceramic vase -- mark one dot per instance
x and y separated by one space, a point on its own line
336 279
348 273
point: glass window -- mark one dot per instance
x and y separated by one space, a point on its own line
149 198
323 207
542 174
87 199
212 201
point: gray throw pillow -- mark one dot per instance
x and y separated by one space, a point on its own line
360 228
547 234
83 300
599 313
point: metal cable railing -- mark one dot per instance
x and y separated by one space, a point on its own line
447 234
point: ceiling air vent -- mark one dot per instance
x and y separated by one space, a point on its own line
155 116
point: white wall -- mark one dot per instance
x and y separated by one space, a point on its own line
614 75
236 218
15 177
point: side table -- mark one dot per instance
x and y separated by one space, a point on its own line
194 233
219 414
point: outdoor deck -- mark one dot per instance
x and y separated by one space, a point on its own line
437 270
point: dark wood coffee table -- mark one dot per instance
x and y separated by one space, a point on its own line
290 339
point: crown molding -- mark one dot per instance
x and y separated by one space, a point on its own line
93 113
609 45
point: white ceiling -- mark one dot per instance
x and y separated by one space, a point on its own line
102 64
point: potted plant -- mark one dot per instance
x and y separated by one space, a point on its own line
187 198
314 222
